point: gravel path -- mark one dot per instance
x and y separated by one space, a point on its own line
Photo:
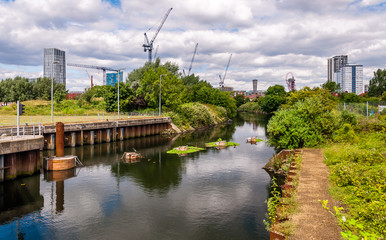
312 221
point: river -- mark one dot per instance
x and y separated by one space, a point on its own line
212 194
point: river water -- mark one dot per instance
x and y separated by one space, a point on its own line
212 194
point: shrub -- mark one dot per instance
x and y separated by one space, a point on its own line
345 134
305 124
348 117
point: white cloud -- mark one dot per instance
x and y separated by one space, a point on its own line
267 38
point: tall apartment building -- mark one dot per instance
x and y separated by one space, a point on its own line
350 78
334 64
55 64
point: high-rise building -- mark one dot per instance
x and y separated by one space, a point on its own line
334 64
254 82
111 78
350 78
55 64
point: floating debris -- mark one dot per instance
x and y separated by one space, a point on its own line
131 157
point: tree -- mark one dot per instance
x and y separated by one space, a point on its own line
349 98
378 83
277 90
274 98
240 100
331 86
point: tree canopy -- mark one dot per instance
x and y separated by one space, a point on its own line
378 83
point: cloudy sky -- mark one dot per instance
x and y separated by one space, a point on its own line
268 38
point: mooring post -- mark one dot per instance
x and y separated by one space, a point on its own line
59 139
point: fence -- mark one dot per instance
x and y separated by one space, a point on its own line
365 109
11 120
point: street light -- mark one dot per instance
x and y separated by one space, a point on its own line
118 90
160 76
52 90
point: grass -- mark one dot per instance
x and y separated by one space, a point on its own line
39 111
190 150
358 179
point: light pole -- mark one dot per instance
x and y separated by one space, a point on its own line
118 91
52 90
159 110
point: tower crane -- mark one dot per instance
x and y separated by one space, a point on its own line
191 62
90 77
223 78
155 53
104 69
148 45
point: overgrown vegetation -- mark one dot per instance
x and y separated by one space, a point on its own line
218 144
190 149
197 115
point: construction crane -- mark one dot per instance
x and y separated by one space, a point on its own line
148 45
104 69
290 82
155 53
90 77
191 62
223 78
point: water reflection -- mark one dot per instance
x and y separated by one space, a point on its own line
20 197
204 195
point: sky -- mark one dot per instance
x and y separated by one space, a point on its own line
267 38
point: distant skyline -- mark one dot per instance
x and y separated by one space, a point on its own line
268 39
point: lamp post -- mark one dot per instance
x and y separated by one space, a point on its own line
52 90
159 110
118 91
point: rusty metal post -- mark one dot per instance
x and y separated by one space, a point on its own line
59 139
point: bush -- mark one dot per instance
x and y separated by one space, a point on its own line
357 172
307 123
345 134
348 117
249 107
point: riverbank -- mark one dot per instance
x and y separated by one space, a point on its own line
194 116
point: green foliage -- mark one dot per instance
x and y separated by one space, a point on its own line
274 98
190 150
349 98
352 229
331 86
357 172
307 92
270 104
239 100
250 107
348 117
197 115
378 83
383 97
215 144
305 124
345 134
277 90
272 204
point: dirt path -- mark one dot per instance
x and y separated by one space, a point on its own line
312 221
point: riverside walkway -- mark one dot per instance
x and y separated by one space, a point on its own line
312 221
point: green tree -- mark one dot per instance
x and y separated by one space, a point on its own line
349 98
60 93
305 124
240 100
378 83
274 98
331 86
